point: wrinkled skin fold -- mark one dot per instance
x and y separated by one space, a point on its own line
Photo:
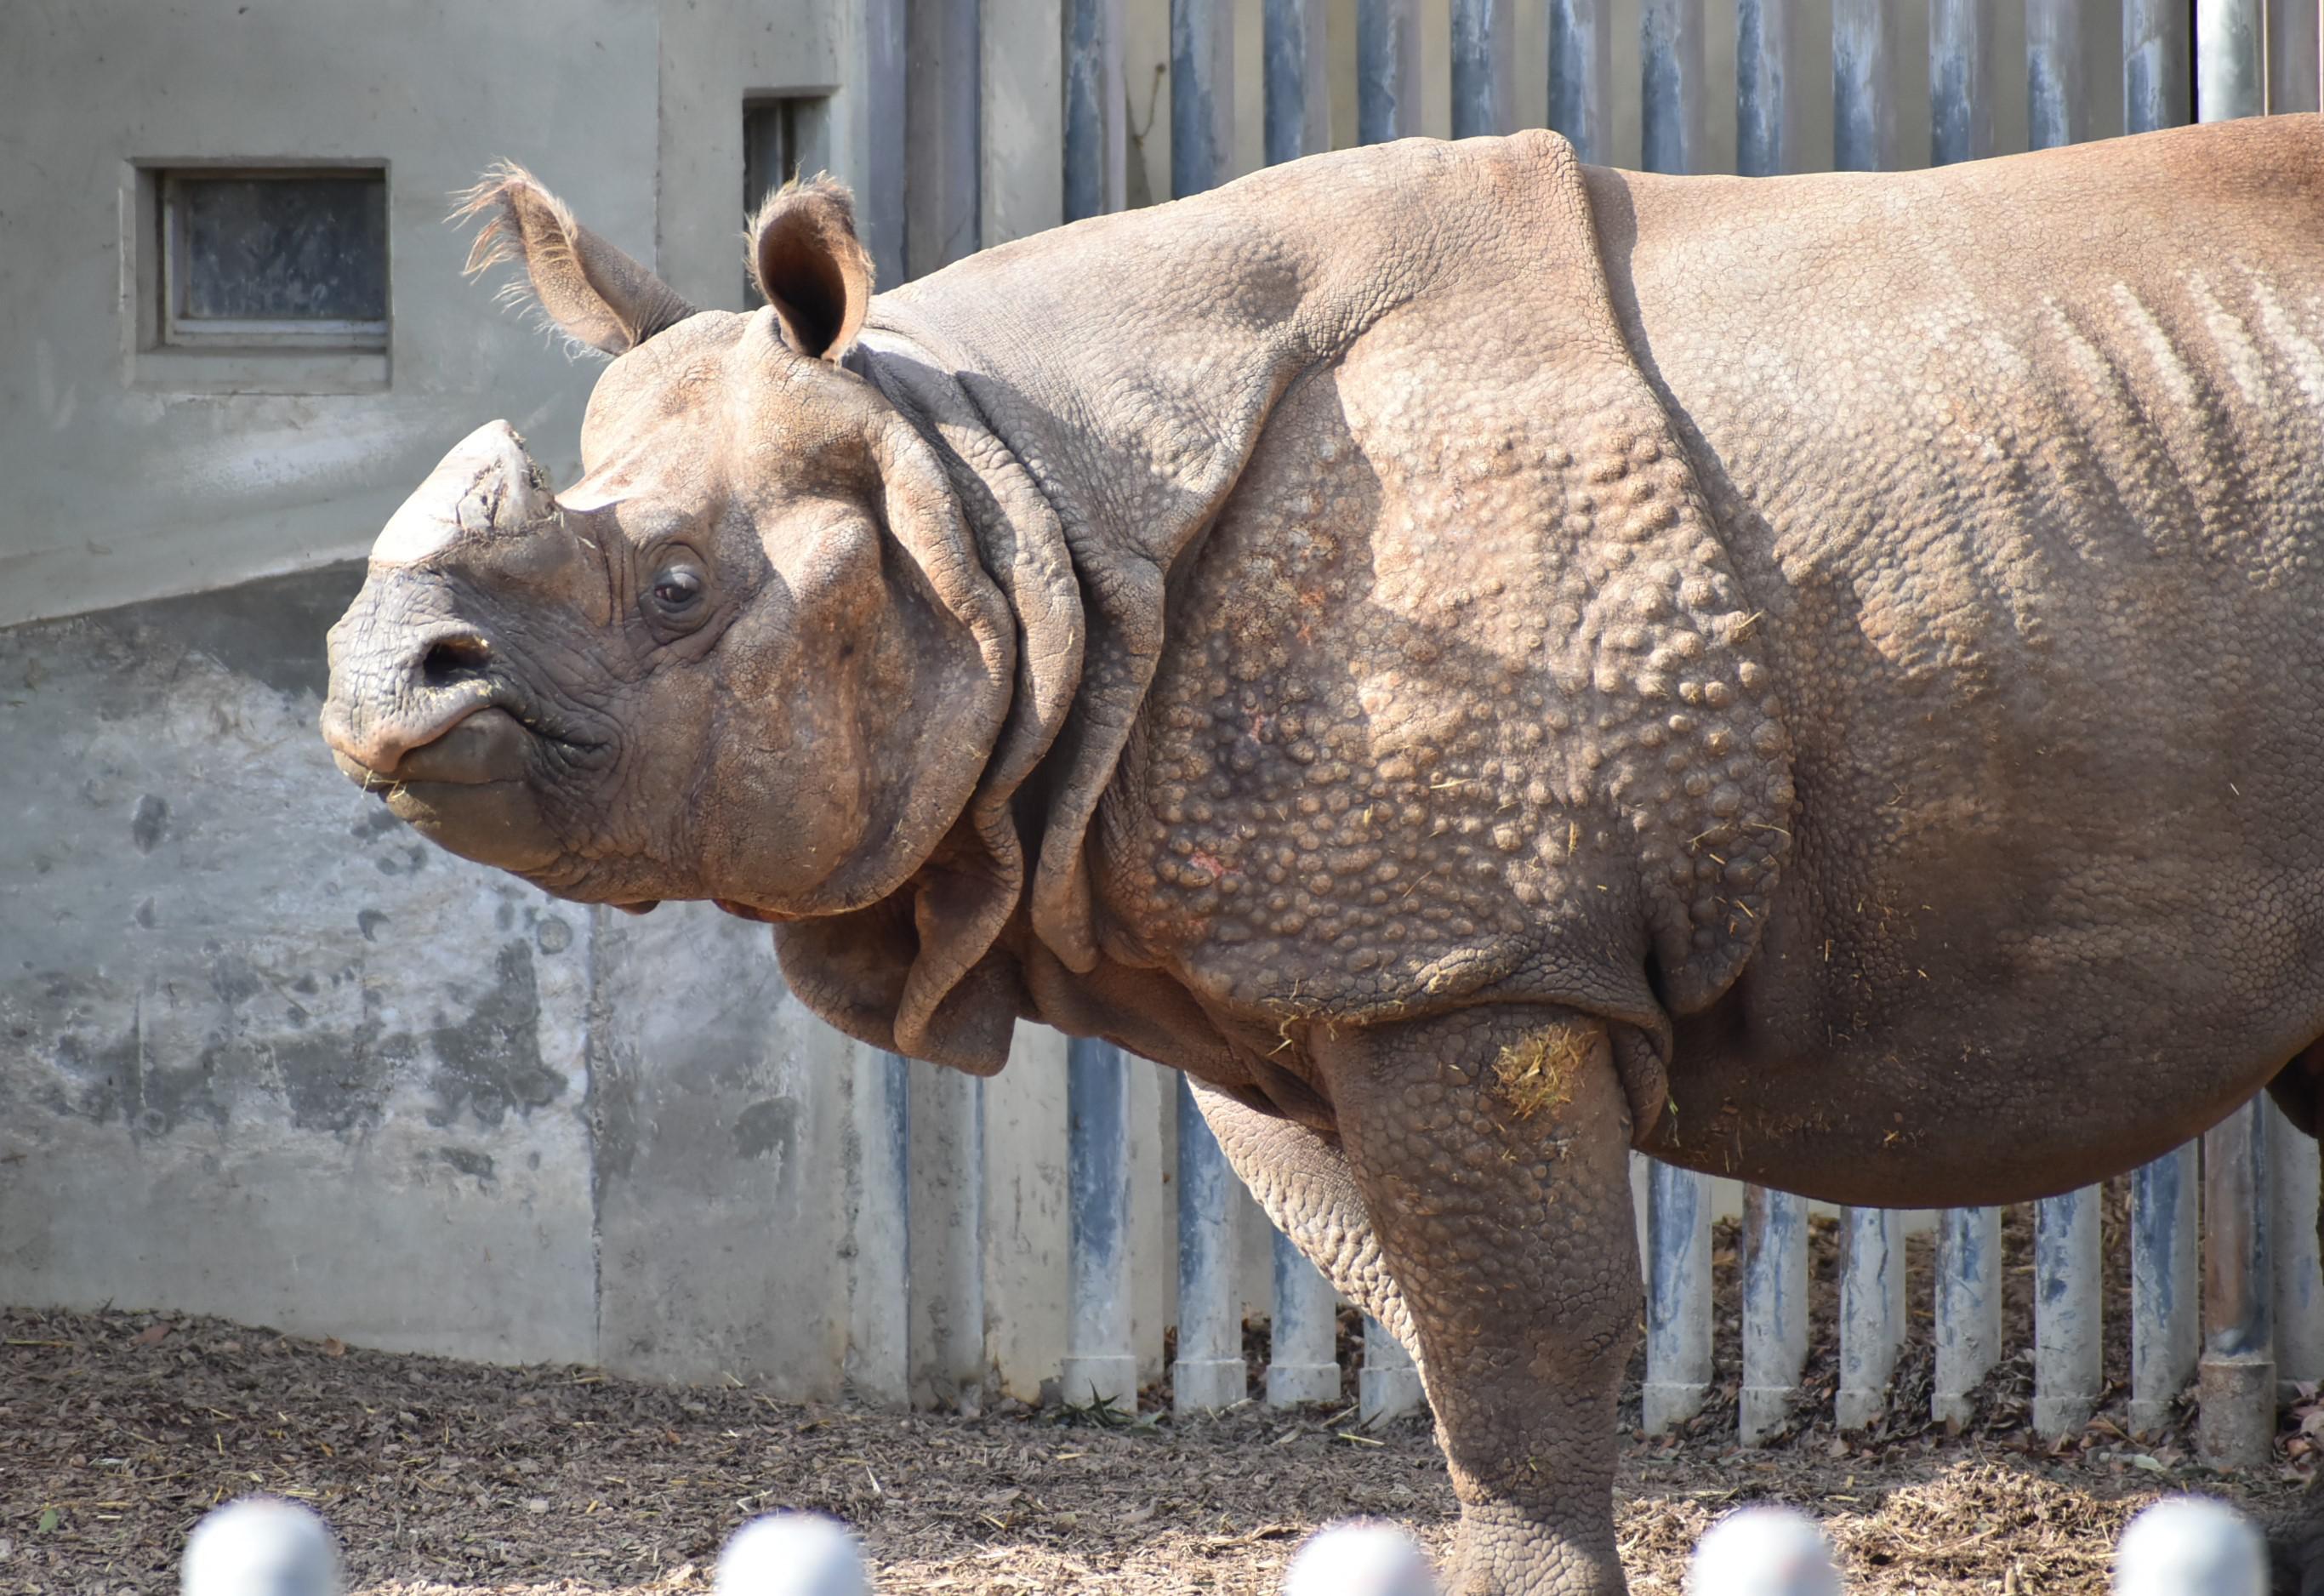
1484 663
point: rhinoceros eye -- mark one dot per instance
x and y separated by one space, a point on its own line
675 596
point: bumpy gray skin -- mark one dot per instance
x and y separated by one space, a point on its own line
1484 663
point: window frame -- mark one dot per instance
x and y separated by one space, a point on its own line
237 363
174 329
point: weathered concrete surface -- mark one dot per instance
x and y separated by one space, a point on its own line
263 1054
719 1115
715 55
1026 1273
267 1054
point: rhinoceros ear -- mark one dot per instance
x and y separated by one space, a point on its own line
596 294
814 270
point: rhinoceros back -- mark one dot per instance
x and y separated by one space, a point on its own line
2025 463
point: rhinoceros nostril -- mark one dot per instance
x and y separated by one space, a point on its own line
453 659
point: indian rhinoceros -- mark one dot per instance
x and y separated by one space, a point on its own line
1484 662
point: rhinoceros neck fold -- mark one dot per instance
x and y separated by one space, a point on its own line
1100 389
1019 532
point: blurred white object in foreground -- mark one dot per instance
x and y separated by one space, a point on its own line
791 1554
1360 1560
2191 1545
1763 1551
260 1546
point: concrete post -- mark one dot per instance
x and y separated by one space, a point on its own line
878 1340
1028 1226
1101 1364
1969 1308
1484 67
2294 55
2237 1426
1960 80
948 1237
943 125
2231 59
1582 76
1864 85
2165 1325
1101 1361
1674 124
2057 96
2157 77
1387 1385
1641 1183
2298 1273
1388 70
1209 1372
1303 1352
1202 94
1871 1314
2068 1347
1766 108
1096 124
1153 1213
883 94
1678 1296
1020 117
1775 1310
1298 89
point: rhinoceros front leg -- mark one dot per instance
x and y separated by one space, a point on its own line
1490 1148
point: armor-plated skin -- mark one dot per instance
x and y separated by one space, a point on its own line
1484 663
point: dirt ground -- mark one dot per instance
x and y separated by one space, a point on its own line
118 1430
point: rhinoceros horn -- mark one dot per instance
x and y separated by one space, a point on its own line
486 487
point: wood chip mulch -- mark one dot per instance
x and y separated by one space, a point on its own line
118 1430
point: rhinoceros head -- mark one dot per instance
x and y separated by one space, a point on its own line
750 655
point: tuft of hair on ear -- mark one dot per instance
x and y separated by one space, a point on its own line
498 241
501 240
810 265
582 285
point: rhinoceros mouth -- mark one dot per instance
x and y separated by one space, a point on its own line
465 790
483 746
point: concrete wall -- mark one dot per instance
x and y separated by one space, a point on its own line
262 1052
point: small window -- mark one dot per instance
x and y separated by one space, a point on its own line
784 136
272 259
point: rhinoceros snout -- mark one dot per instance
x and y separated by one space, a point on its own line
407 690
422 713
